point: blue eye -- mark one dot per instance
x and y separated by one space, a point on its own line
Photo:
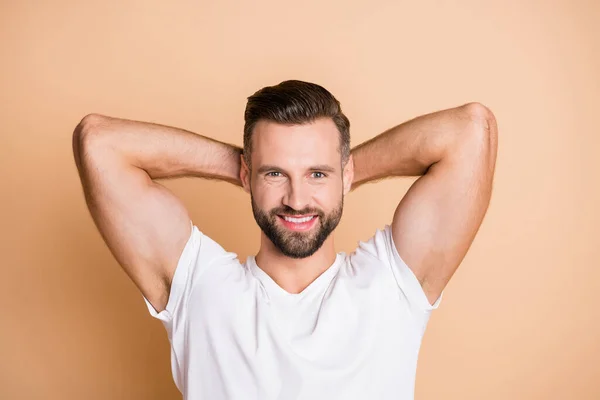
322 174
273 172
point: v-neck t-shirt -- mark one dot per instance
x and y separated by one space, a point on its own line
353 333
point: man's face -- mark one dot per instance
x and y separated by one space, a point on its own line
296 186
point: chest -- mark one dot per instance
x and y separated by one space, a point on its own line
353 340
346 323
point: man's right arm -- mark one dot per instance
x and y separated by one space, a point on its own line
143 223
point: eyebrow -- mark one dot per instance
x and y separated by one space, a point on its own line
323 167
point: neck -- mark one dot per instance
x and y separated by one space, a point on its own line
294 274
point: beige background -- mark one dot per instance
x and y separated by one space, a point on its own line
519 320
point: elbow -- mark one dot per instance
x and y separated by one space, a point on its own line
482 117
90 126
86 135
484 131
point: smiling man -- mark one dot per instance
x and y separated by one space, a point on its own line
282 152
298 320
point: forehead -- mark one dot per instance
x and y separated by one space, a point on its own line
292 146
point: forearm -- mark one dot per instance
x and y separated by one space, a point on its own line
409 149
161 151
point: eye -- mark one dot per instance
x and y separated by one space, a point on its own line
321 175
273 172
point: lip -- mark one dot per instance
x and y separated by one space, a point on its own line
304 226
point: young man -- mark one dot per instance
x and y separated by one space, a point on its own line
298 320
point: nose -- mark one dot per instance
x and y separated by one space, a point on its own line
297 195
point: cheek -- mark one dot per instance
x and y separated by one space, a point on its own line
266 197
328 198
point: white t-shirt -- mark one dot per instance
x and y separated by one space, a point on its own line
353 333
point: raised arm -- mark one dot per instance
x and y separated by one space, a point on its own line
438 218
144 225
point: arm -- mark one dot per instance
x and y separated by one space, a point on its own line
144 225
438 218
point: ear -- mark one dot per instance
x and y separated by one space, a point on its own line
244 174
348 175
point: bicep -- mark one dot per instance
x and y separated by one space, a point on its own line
438 218
144 225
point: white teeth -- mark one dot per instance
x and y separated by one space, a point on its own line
298 220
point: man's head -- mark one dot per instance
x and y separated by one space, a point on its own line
296 163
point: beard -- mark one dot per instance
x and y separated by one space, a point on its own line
296 244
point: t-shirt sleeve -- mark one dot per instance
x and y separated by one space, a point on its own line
382 246
197 255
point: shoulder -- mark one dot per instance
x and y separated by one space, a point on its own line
375 249
371 257
211 259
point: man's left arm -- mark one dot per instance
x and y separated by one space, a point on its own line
436 221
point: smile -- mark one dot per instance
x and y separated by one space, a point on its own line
298 223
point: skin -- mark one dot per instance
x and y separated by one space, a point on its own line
297 170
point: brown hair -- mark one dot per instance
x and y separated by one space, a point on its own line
294 102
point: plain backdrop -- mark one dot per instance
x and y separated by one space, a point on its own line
519 319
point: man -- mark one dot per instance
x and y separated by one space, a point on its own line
298 320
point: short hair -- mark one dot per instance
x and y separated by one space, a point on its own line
294 102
